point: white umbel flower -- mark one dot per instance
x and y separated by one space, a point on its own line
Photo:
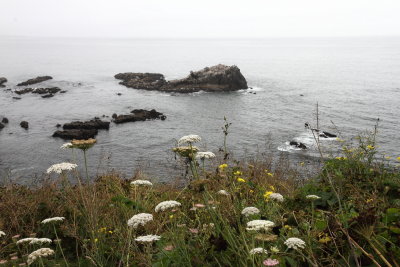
40 253
223 192
54 219
40 241
248 211
295 243
190 139
205 155
2 233
258 251
66 145
256 225
25 240
140 219
276 196
312 197
141 182
60 167
148 238
167 205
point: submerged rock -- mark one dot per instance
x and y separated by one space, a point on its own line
213 79
2 81
16 98
324 134
76 134
24 124
45 92
1 126
139 115
4 120
49 90
298 144
35 80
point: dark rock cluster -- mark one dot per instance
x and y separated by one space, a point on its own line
212 79
139 115
38 79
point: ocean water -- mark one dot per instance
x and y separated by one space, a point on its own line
354 80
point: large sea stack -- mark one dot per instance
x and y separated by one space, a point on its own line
212 79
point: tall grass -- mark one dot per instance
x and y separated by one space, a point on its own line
353 221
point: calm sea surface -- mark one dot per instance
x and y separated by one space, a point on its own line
354 80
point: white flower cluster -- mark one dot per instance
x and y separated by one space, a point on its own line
2 233
40 241
167 205
205 155
223 192
248 211
148 238
140 219
54 219
256 225
192 138
276 196
141 182
60 167
66 145
295 243
41 252
34 240
312 197
258 251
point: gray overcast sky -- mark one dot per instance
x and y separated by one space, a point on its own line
201 18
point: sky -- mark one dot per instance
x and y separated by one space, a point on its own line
199 19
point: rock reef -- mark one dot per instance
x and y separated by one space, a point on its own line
2 81
38 79
82 130
212 79
139 115
44 92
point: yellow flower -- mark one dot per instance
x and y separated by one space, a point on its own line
369 200
287 227
96 240
241 180
110 232
325 240
267 194
272 188
398 158
223 166
370 147
238 173
388 157
302 164
251 191
171 216
270 174
103 230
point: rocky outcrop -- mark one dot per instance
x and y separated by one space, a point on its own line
2 81
23 91
139 115
38 79
82 130
45 92
24 124
4 120
76 134
1 126
92 124
213 79
298 144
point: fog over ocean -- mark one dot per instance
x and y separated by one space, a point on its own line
354 80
